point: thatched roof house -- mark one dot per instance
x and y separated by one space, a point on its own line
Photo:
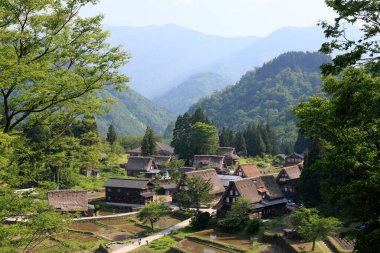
247 170
141 165
230 156
161 148
68 200
289 180
159 160
206 175
293 159
212 161
262 192
183 170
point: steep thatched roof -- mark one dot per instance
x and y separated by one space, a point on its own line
227 152
247 189
128 183
293 172
269 185
295 155
248 170
182 170
214 161
161 148
217 186
140 163
68 200
159 160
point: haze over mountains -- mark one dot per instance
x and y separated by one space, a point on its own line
175 67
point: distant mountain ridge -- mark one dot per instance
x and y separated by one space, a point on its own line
180 98
267 94
162 56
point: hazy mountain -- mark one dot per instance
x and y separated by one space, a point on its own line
283 40
132 113
180 98
267 94
162 56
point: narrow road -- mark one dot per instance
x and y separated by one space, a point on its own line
153 237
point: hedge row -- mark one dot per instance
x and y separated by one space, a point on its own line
218 245
176 249
279 241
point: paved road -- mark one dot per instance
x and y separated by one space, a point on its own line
153 237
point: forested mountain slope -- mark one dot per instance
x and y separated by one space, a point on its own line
268 94
132 113
180 98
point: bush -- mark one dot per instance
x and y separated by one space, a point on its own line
253 226
230 223
201 221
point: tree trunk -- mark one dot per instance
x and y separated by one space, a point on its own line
312 249
151 224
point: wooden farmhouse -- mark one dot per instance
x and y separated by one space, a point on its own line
230 156
289 181
161 148
262 192
293 159
247 170
138 165
130 192
207 175
70 201
212 162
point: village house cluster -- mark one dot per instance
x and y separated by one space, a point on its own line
267 194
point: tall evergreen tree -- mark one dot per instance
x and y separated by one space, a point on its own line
226 138
148 145
240 145
111 135
199 116
181 137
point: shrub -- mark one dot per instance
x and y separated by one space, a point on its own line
201 221
253 226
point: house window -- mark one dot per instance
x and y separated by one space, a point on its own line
109 189
285 188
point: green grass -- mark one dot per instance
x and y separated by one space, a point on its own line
267 164
184 231
160 245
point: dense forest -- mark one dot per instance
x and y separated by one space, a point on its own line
268 94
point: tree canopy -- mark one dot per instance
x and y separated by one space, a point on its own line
153 212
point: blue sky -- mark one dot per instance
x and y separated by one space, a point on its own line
220 17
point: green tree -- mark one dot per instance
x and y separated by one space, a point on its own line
311 226
42 222
111 135
196 193
199 116
226 138
181 137
357 50
173 168
64 60
237 217
148 145
153 212
347 124
240 144
204 139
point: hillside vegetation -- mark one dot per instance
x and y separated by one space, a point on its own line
267 94
132 113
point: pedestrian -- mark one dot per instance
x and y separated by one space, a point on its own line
139 242
147 242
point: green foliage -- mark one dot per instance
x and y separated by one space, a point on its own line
311 226
354 49
42 221
347 125
181 137
153 212
129 142
201 220
148 145
173 168
196 193
237 217
267 94
111 135
253 226
204 139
